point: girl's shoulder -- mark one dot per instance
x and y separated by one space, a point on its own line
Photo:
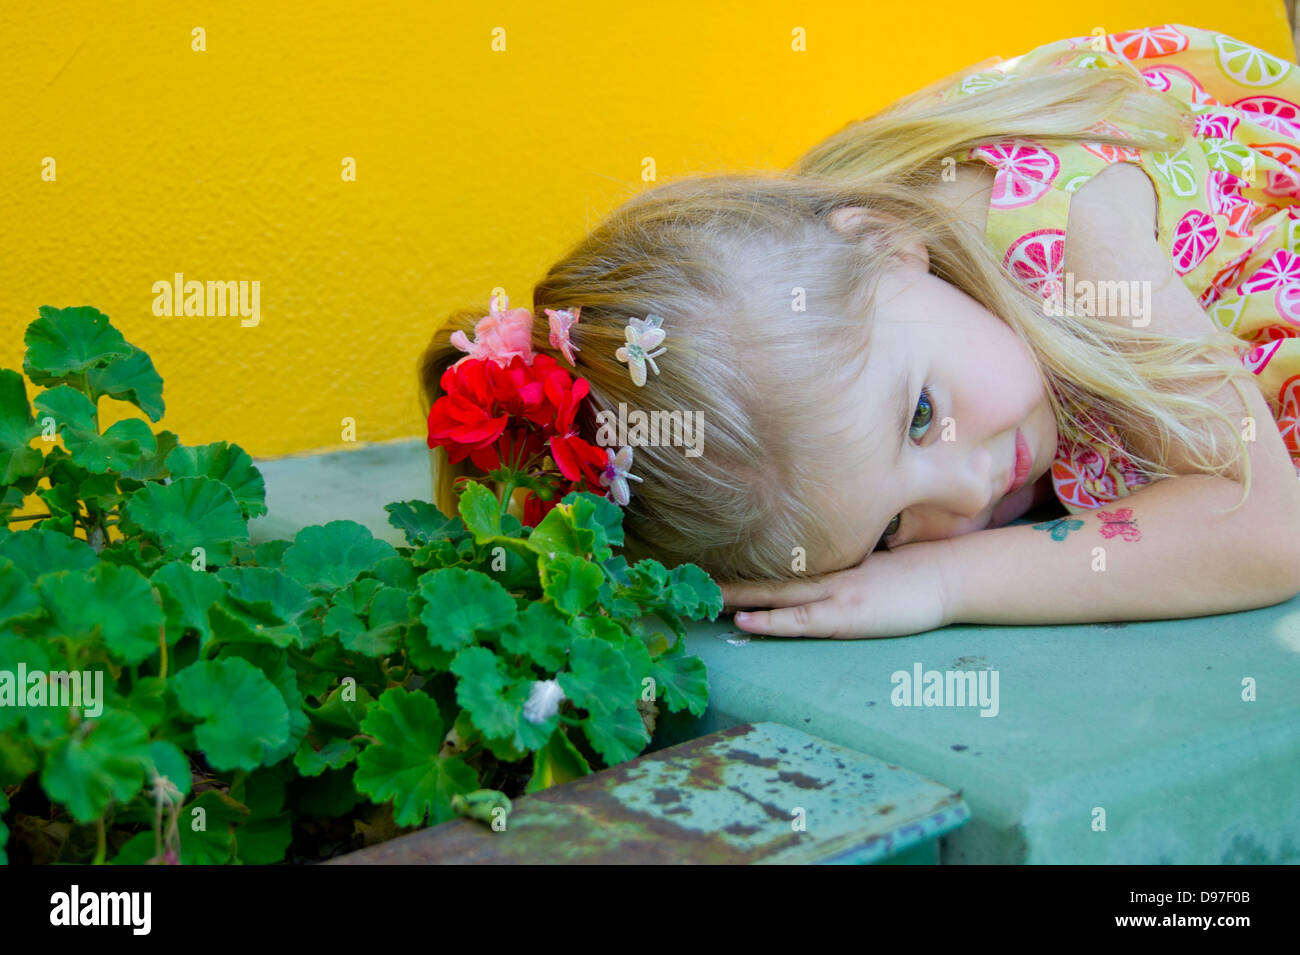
1119 192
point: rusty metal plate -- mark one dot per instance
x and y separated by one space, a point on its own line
760 793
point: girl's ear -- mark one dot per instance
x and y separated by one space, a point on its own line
855 222
852 221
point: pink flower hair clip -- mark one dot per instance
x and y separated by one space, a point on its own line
643 336
561 321
499 336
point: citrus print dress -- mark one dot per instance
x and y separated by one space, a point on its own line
1229 211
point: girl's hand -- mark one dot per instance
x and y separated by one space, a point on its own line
890 594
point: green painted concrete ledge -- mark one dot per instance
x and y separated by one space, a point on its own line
1142 721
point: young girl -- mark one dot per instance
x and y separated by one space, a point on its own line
897 347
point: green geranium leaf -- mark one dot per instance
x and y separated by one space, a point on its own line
438 554
481 690
335 754
243 715
599 678
62 499
100 489
232 620
557 762
227 463
288 598
461 604
117 449
35 655
571 582
100 761
148 701
70 408
385 607
617 736
17 429
138 850
542 634
135 553
682 681
340 715
38 552
18 758
529 734
396 572
188 513
422 523
11 498
390 612
271 553
508 561
693 593
632 648
403 764
18 599
556 534
170 762
114 602
207 825
649 575
603 516
151 467
613 599
67 341
601 627
274 665
120 446
132 378
264 840
331 556
481 511
186 596
425 657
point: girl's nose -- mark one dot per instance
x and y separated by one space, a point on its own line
970 489
959 490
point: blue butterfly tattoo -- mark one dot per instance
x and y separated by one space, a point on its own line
1059 529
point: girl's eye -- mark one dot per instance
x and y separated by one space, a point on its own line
925 413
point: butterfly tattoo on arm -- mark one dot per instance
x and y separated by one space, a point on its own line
1119 524
1059 529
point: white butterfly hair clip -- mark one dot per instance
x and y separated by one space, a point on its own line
643 336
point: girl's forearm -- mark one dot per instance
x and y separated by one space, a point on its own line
1166 551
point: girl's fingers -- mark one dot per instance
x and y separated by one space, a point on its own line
773 593
819 619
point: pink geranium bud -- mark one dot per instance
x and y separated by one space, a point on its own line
500 336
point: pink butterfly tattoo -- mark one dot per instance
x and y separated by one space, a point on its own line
1119 524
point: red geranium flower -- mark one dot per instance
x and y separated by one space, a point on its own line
577 460
510 416
488 412
467 418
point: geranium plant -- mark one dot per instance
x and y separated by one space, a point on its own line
293 698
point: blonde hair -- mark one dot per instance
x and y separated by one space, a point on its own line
721 257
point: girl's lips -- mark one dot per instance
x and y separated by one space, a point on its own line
1024 463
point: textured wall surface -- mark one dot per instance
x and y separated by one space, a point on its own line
475 168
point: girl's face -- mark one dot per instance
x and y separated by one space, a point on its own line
938 464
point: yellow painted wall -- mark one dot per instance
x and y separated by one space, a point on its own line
474 168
